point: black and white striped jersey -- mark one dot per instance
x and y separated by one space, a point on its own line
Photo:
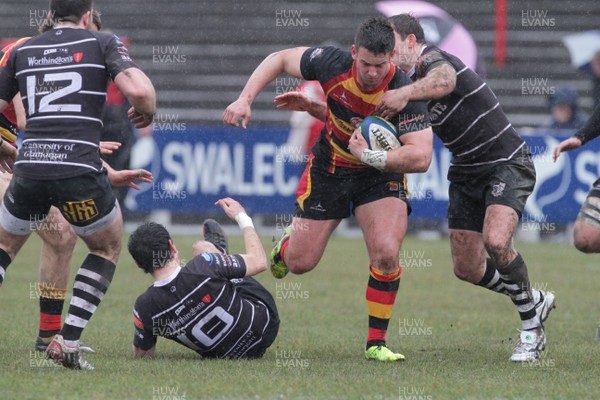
198 306
62 76
469 121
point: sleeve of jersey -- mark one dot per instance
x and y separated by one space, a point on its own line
143 338
591 129
9 86
317 62
117 57
428 61
217 265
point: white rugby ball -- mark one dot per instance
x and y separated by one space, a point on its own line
379 134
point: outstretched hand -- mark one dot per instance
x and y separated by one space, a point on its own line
294 101
231 207
566 145
128 177
236 113
8 156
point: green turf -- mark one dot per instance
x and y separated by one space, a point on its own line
456 337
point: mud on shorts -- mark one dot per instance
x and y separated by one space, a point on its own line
509 183
323 195
86 201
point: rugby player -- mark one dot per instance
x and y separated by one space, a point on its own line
336 183
58 238
59 163
211 305
491 175
587 226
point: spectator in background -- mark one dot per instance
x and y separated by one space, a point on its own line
596 79
564 106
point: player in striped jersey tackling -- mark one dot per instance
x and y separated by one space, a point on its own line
211 305
491 175
61 76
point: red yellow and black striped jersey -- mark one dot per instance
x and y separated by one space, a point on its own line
8 118
348 104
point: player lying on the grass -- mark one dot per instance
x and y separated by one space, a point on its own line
211 305
58 238
491 175
336 183
587 226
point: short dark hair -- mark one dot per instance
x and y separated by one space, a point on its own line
376 35
97 19
406 24
149 246
69 10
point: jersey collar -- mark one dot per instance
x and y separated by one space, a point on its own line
168 279
414 67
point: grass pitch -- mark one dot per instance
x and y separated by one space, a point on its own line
456 337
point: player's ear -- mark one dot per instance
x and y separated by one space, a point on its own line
86 19
354 52
172 247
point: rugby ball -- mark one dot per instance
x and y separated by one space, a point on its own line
379 134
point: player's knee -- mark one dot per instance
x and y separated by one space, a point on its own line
498 248
387 265
300 267
584 243
463 272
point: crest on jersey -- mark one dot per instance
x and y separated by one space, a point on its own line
78 56
498 189
316 53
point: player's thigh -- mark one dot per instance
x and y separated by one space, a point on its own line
88 203
307 242
23 209
381 208
5 179
56 233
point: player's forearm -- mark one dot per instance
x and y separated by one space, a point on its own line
138 90
591 129
439 82
408 159
318 109
254 256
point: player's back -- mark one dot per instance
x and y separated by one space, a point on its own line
469 120
62 76
203 312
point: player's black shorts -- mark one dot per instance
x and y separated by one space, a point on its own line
509 183
248 287
86 201
324 195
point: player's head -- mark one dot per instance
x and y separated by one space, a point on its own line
409 38
372 51
73 11
151 247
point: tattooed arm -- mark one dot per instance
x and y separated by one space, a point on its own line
439 81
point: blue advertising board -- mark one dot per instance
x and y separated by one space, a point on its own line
196 166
